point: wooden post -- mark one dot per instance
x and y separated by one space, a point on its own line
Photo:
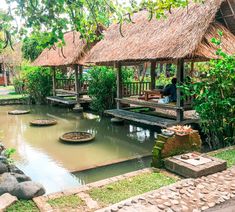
77 84
119 83
77 69
192 69
54 81
153 80
180 80
80 77
4 74
161 67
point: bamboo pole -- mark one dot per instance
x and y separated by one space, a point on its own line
53 81
118 68
180 80
153 75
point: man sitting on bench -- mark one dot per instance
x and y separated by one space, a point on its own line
170 90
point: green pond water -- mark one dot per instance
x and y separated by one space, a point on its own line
46 160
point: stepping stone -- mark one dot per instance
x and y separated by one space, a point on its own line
6 200
91 204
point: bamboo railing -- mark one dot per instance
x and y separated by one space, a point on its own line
134 88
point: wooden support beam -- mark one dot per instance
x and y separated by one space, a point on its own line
118 68
152 74
80 77
53 81
192 69
180 80
77 84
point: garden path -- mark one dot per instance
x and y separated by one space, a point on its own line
202 194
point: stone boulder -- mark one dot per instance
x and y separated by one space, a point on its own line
28 190
3 167
21 177
8 183
14 169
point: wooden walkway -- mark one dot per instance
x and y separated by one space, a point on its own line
142 118
61 100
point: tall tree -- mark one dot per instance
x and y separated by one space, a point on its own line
85 16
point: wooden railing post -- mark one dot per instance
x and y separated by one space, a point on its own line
80 77
76 82
118 68
153 80
180 80
53 81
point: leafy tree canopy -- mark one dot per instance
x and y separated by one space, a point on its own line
7 30
86 16
32 47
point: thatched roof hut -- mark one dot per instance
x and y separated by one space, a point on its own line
71 53
185 33
12 57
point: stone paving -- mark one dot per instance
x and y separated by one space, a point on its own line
187 195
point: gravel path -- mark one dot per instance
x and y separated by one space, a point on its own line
188 195
6 90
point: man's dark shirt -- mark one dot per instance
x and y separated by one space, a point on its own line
170 90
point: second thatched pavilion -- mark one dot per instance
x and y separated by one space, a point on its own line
184 36
68 57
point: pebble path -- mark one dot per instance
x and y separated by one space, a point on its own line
190 195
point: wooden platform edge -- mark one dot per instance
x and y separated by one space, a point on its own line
142 121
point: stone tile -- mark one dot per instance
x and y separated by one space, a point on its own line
6 200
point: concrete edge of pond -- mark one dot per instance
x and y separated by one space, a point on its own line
113 162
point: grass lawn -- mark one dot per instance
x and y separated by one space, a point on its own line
23 206
228 155
124 189
71 201
10 87
12 96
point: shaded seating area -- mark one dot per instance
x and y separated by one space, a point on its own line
184 37
68 59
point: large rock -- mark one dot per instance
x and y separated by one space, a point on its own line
28 190
21 177
8 183
14 169
3 159
3 167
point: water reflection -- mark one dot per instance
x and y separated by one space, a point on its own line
49 162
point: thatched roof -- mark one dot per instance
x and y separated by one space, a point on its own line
72 53
12 57
185 33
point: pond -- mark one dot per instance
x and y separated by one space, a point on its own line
45 159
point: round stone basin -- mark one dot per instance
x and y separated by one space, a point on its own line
18 112
77 137
43 122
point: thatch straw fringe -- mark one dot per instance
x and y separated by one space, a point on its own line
72 53
207 49
177 36
12 57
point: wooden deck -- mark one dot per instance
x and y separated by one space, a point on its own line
61 100
142 118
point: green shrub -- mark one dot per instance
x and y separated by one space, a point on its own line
18 85
37 82
215 102
162 80
102 86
